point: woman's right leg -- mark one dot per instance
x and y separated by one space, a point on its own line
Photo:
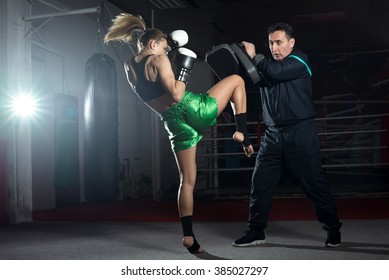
232 90
186 162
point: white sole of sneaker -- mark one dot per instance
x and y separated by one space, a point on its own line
251 244
329 245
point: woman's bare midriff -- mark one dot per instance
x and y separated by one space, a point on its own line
161 104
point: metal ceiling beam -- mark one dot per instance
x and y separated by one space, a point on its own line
52 5
67 13
168 4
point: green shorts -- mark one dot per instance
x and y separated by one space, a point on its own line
185 121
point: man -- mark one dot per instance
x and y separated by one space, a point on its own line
290 137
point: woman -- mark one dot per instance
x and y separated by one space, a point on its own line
183 113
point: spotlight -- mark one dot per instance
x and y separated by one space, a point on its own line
23 105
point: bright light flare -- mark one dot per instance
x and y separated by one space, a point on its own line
23 105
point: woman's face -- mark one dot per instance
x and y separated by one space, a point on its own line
162 47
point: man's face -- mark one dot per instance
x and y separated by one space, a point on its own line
280 46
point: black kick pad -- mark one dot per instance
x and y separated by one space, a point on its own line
247 65
226 60
222 61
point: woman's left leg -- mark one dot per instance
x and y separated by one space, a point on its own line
186 162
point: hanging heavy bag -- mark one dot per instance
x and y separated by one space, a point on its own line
101 183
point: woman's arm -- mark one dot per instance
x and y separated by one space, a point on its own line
162 68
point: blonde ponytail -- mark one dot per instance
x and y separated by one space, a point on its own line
126 28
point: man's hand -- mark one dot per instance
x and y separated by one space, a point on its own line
250 48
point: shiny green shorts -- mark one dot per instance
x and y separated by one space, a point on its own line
185 121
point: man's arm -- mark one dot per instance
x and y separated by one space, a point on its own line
288 69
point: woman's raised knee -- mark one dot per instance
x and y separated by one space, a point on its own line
237 79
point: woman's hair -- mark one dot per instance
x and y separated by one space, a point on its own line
129 29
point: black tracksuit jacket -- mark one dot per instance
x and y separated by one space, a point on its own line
287 95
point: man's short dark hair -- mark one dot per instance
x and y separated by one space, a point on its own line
282 26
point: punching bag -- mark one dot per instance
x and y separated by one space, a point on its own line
101 183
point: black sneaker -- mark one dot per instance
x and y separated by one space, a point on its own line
333 238
250 238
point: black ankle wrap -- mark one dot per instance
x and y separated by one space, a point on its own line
186 223
241 126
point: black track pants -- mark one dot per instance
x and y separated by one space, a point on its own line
298 147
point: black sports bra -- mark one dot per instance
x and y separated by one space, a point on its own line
145 89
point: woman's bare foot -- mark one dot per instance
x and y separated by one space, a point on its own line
239 137
191 244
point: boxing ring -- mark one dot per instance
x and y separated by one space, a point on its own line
355 154
352 131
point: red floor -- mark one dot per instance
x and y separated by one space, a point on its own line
146 210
